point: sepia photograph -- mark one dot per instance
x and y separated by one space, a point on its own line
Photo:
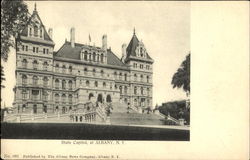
101 70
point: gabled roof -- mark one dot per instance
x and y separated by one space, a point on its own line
24 31
134 42
66 51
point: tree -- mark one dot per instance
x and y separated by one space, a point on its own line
14 16
181 79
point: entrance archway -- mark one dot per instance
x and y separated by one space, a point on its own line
99 98
108 99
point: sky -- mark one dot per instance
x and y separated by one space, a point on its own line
163 27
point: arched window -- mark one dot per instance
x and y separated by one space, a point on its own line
57 83
101 57
96 84
120 76
104 84
70 98
90 57
120 89
94 56
141 78
87 83
57 67
35 80
45 65
70 69
70 85
63 69
41 33
45 81
85 71
94 72
135 77
85 56
141 90
63 97
63 84
57 97
102 73
24 79
35 64
91 95
97 57
35 31
135 90
24 63
125 89
147 79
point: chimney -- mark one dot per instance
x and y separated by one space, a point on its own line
50 33
124 46
72 37
104 42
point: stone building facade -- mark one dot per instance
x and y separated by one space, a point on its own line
50 81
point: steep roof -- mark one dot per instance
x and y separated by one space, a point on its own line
24 31
134 42
66 51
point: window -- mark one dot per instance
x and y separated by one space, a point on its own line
57 68
102 73
104 84
63 98
125 89
41 33
35 65
23 47
35 31
30 32
120 89
96 84
141 51
45 96
115 75
70 98
120 76
148 91
56 97
24 63
44 50
87 83
115 86
94 56
63 84
24 94
93 72
89 56
147 67
57 83
63 69
47 51
70 69
45 81
85 56
34 49
125 77
141 78
26 48
135 90
135 77
141 66
45 66
147 79
35 80
70 85
97 58
141 90
35 94
24 79
101 57
135 65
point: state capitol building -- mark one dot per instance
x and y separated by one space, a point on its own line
48 81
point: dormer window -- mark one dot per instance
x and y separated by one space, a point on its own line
35 31
30 32
41 33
